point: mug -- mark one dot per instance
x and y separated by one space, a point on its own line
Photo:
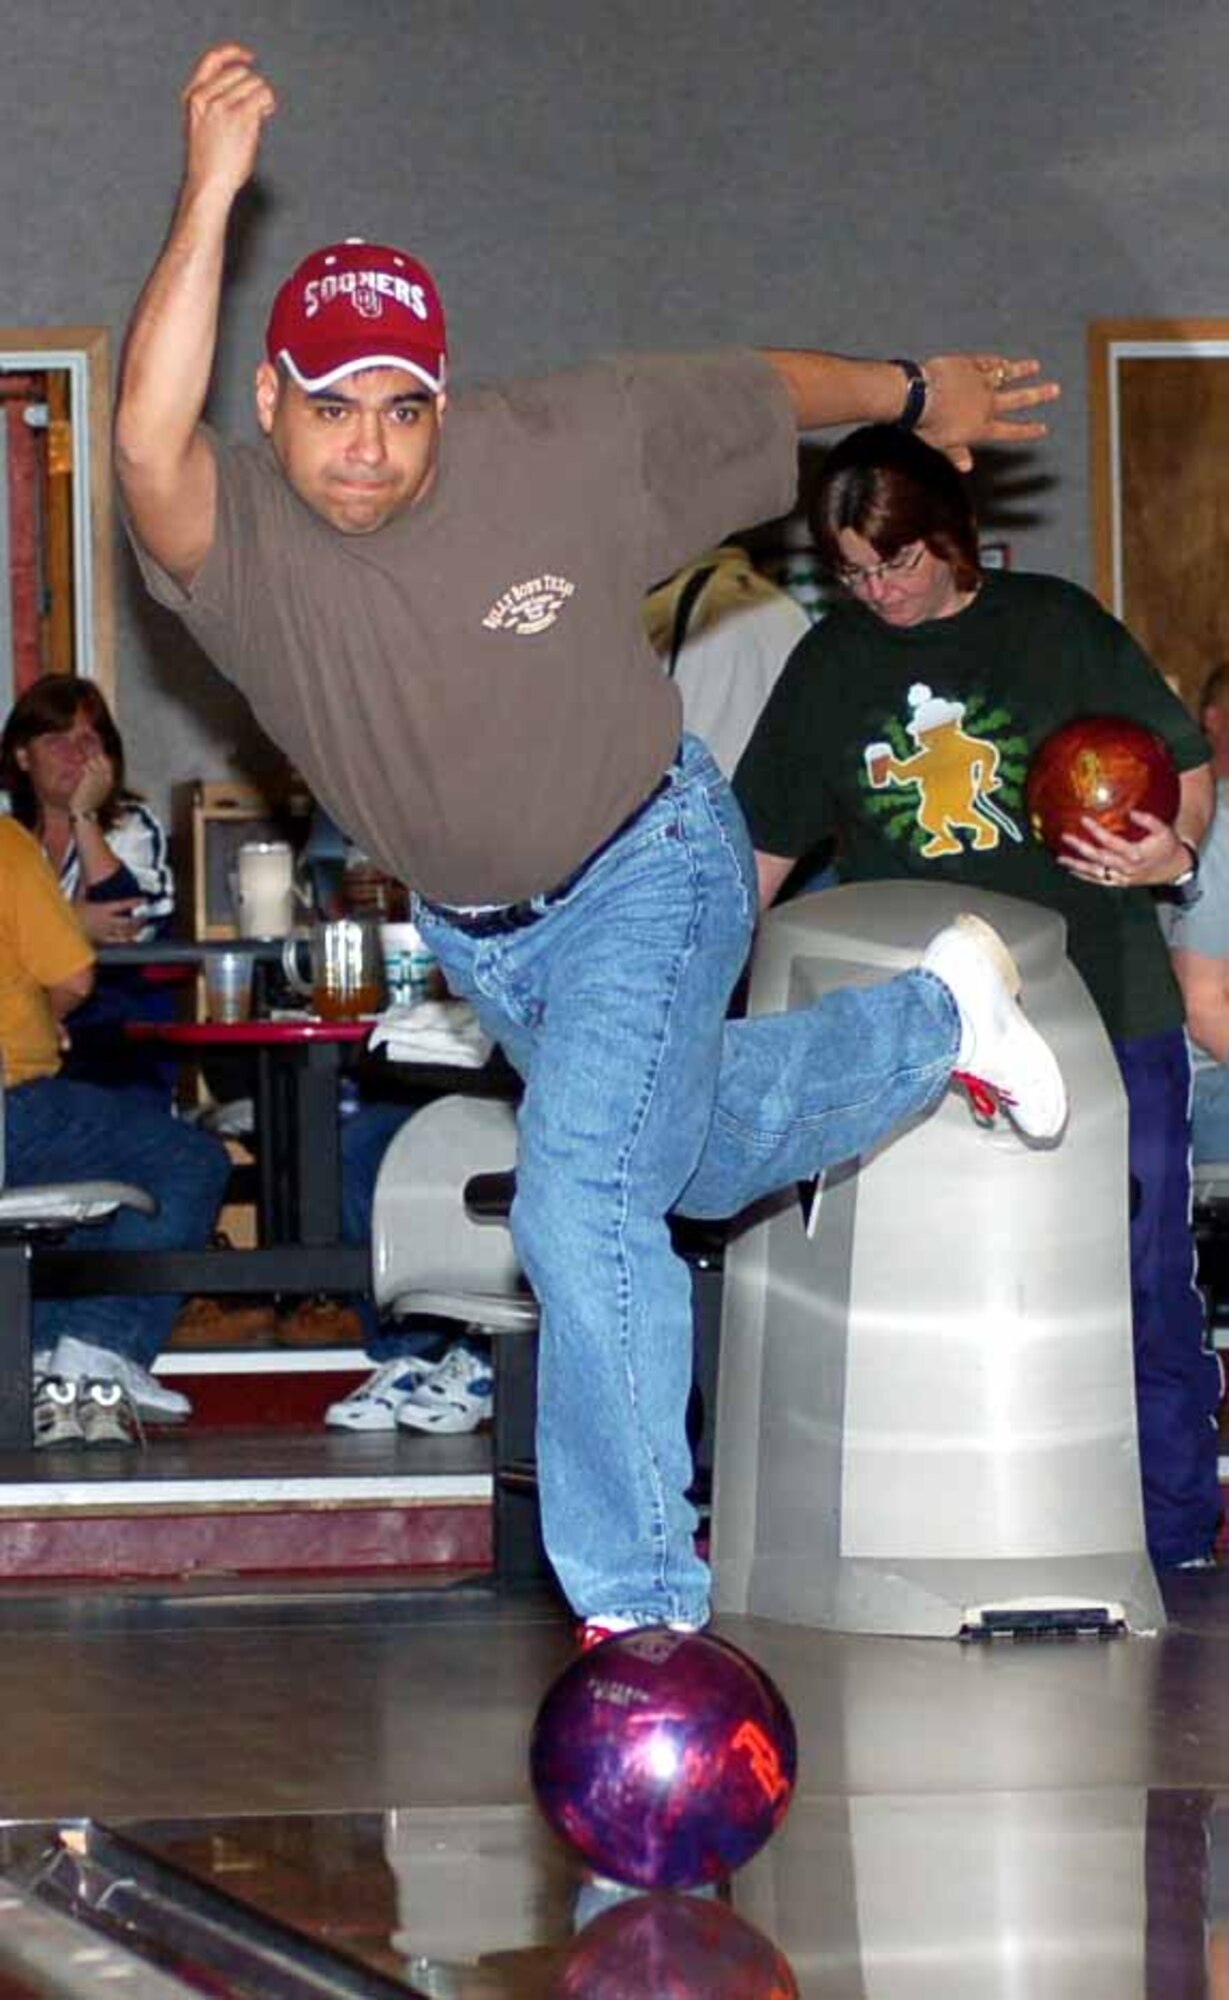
264 889
347 970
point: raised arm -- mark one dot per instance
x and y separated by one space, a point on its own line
962 399
163 461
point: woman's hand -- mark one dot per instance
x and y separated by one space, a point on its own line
1110 862
111 923
94 785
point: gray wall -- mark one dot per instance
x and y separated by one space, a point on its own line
646 172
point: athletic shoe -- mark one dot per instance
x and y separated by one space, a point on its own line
595 1631
456 1396
373 1406
152 1400
107 1417
57 1419
1002 1059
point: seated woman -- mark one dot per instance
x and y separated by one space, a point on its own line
62 764
92 1356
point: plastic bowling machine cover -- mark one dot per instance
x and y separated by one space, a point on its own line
926 1415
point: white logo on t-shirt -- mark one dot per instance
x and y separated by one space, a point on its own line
529 607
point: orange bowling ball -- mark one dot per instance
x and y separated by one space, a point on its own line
1100 767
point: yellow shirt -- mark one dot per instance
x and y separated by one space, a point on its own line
41 945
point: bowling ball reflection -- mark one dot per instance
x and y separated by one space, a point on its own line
1100 767
661 1947
666 1759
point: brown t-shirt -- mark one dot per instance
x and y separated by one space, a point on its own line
469 691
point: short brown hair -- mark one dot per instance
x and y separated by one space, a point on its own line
48 706
893 490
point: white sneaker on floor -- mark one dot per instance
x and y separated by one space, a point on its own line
152 1400
456 1396
373 1406
1002 1058
57 1419
106 1415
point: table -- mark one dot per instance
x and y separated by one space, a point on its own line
298 1152
298 1067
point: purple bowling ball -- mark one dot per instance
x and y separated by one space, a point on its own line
667 1759
659 1947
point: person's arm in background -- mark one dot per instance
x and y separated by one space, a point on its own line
69 993
968 399
1205 991
1198 935
163 460
771 872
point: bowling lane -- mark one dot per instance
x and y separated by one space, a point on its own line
1031 1817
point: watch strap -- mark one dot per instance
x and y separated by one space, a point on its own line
916 391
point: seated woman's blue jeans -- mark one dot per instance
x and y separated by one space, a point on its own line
639 1099
57 1129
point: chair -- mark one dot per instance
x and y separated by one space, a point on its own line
431 1254
29 1214
1210 1218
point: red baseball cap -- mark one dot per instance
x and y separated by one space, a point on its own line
358 305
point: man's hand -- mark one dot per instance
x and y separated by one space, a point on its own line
975 398
226 102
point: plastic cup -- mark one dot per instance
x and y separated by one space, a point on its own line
228 985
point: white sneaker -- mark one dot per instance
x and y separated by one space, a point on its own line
457 1396
57 1419
151 1399
373 1406
1002 1058
107 1417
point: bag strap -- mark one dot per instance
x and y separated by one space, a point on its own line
683 610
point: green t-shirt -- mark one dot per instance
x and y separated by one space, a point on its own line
913 745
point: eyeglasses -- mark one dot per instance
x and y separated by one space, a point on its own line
855 576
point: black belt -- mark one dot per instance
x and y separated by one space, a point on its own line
518 916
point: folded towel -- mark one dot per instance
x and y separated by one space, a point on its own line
432 1031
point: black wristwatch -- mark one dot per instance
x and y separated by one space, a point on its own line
915 395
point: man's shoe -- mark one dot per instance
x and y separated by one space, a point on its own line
373 1406
152 1400
1002 1059
57 1419
595 1631
456 1396
107 1417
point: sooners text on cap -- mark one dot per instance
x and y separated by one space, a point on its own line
358 305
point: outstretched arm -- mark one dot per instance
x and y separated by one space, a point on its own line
969 398
163 461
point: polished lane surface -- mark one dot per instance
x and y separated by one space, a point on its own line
1023 1818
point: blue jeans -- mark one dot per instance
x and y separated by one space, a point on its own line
640 1098
1210 1115
59 1130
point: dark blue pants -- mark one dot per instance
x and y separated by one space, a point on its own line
1177 1377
